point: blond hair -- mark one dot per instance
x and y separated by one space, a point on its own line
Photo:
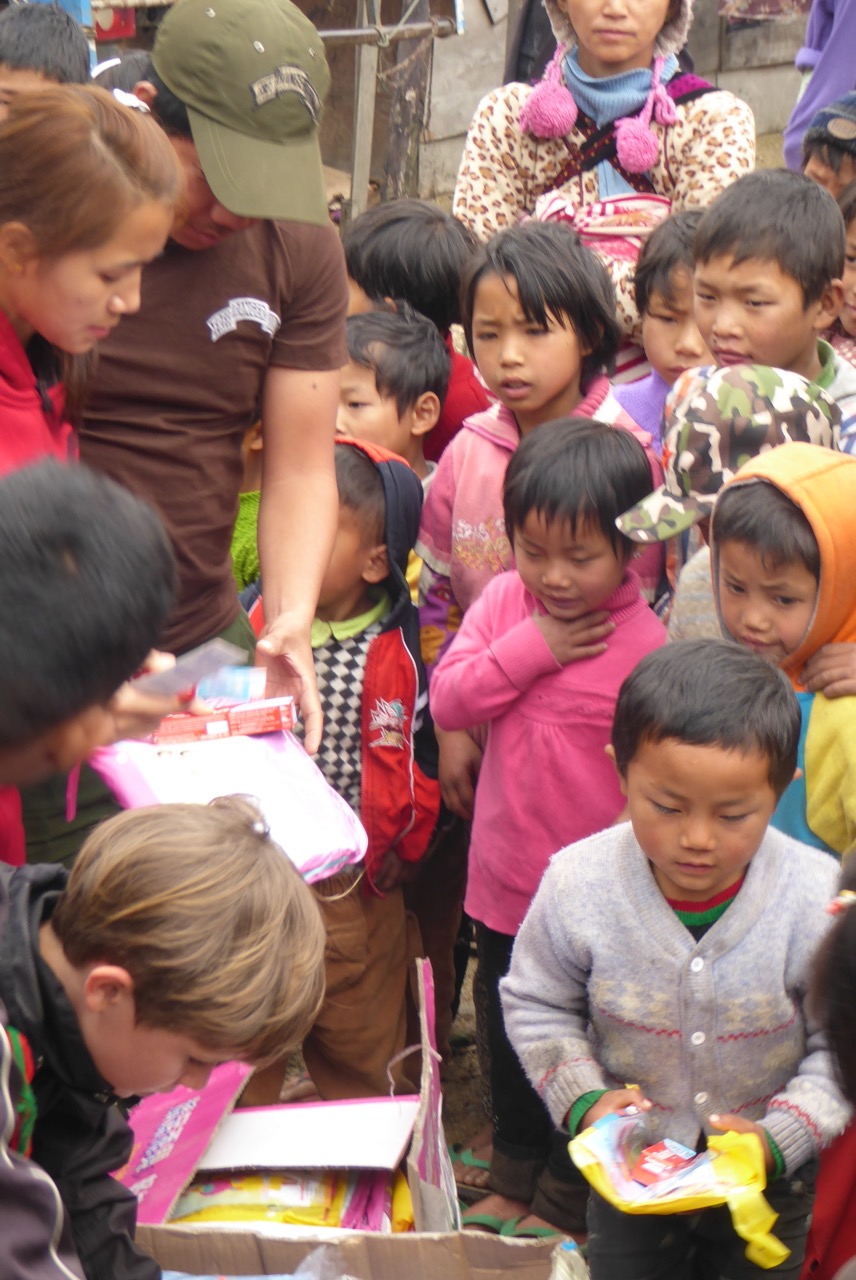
222 939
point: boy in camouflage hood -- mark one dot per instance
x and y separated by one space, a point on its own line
715 421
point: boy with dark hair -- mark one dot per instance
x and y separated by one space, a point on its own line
663 285
91 575
394 384
829 145
413 251
40 44
769 255
703 1004
782 536
378 751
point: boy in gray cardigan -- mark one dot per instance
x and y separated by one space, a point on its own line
675 952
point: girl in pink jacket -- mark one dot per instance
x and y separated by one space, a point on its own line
523 664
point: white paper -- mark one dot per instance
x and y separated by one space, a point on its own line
369 1133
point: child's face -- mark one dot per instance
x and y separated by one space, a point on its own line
753 313
364 414
15 80
824 175
616 35
570 571
534 372
670 335
848 311
699 814
765 607
77 299
145 1060
345 590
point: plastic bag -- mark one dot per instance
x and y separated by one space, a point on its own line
730 1172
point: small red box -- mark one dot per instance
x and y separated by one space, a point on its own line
661 1161
265 716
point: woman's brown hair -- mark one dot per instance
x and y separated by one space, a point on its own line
75 163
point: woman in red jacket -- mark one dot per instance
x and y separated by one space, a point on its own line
88 196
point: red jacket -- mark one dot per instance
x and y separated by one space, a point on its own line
832 1234
466 395
399 791
32 427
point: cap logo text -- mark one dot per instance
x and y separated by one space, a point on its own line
287 79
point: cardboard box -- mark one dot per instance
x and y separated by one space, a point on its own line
436 1250
461 1255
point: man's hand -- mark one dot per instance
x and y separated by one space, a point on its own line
460 761
832 671
611 1102
582 637
738 1124
285 651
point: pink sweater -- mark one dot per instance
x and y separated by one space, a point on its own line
545 779
462 539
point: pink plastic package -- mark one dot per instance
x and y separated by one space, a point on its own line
313 825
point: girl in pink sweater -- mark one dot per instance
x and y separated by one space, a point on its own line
524 664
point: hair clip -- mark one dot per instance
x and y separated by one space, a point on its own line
845 899
261 828
131 100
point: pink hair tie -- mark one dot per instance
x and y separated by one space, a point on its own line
550 110
636 144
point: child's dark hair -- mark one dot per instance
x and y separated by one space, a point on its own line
764 518
124 72
577 471
410 250
554 272
44 38
833 993
361 491
669 246
847 204
405 353
709 693
776 216
88 577
169 110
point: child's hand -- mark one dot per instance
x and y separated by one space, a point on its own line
832 671
135 713
738 1124
612 1101
460 761
393 872
583 637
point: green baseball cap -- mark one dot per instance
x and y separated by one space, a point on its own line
253 77
715 420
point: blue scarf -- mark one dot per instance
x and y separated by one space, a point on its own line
609 98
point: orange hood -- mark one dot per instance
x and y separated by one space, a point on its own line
822 483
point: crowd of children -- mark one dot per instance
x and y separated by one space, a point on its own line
584 653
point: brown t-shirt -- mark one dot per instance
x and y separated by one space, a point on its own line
178 384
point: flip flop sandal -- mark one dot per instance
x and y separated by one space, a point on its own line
467 1193
492 1223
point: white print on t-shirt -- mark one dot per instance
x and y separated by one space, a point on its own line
226 319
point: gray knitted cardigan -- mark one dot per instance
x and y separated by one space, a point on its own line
607 987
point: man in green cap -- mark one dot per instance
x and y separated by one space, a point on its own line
240 312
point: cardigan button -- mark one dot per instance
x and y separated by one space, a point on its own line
701 1098
696 964
698 1037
